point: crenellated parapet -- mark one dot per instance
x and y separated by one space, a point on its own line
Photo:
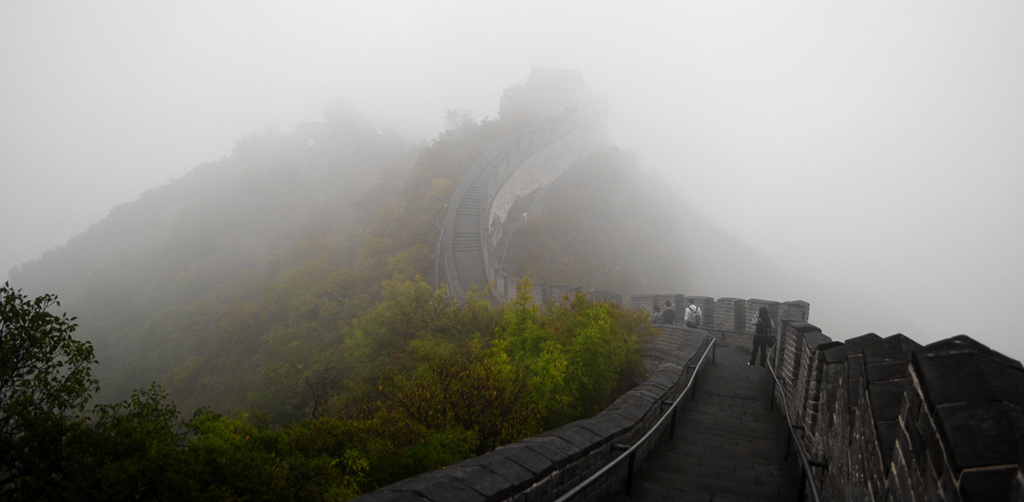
726 315
897 421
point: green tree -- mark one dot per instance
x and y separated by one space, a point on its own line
45 383
576 354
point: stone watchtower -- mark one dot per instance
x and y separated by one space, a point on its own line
549 92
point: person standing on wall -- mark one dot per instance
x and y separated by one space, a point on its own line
763 332
668 316
656 315
692 315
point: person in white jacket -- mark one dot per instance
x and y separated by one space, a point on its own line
692 315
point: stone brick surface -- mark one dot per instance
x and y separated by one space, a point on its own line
980 434
987 484
392 496
438 485
902 422
483 481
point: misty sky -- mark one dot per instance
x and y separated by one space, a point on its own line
874 144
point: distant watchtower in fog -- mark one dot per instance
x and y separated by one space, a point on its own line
547 91
550 91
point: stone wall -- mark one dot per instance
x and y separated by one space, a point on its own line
896 421
726 315
510 170
538 170
543 467
490 172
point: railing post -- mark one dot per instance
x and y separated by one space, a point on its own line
629 472
672 425
803 485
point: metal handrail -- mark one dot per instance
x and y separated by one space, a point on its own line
805 463
631 451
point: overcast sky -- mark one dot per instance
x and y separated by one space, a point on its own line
874 144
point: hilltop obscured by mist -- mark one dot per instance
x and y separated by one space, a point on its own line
229 285
609 224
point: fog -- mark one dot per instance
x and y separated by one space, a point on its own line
875 146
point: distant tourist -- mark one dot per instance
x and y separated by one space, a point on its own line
669 315
762 334
656 317
692 315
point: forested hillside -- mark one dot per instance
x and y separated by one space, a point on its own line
279 293
289 298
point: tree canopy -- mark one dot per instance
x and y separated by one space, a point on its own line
287 307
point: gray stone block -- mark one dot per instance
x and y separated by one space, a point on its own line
833 352
530 460
954 378
385 495
558 458
856 345
570 436
892 349
567 450
508 470
985 485
437 486
964 343
1007 381
885 397
647 393
886 371
815 339
980 434
630 409
605 426
855 367
802 327
485 482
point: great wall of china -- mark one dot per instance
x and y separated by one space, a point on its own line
882 419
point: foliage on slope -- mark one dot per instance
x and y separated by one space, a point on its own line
453 381
252 261
308 311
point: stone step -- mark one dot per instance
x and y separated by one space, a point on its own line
761 439
701 479
681 488
716 406
758 428
695 465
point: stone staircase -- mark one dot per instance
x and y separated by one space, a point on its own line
467 247
728 445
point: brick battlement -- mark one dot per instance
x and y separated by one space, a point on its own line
897 421
726 314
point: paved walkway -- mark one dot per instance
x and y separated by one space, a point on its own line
728 445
